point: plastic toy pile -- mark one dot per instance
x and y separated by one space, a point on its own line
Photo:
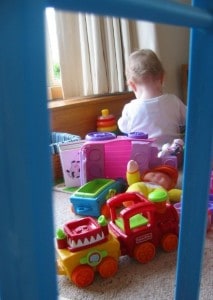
128 204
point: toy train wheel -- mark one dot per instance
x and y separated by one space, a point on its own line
105 211
169 242
83 275
108 267
144 252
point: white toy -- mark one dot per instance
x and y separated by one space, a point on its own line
176 148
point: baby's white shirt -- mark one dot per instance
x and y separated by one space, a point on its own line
160 117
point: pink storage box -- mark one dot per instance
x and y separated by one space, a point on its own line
109 158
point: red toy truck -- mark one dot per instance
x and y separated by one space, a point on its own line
137 227
144 225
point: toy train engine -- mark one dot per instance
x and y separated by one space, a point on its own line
144 225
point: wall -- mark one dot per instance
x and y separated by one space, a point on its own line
173 43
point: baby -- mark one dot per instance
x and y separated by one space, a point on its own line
153 112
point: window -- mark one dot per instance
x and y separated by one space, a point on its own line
86 54
52 48
53 65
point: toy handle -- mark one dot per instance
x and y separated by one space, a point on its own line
100 136
81 209
138 135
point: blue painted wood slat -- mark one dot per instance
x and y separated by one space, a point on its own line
27 262
27 259
159 11
198 162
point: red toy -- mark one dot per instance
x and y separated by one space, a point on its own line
145 225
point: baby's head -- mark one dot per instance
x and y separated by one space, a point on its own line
142 65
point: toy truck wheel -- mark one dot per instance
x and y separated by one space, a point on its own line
108 267
144 252
169 242
83 275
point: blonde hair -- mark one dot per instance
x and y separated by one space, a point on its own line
143 63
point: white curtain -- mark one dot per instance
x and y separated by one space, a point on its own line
93 51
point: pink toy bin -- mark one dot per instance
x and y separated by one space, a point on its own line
106 156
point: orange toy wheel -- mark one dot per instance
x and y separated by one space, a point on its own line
169 242
83 275
105 211
144 252
108 267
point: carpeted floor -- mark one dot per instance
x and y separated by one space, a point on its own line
155 280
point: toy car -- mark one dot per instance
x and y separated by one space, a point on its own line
90 199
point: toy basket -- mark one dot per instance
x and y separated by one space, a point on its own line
56 139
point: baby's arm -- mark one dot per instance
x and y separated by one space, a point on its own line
182 121
183 109
123 120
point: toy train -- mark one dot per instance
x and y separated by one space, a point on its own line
89 245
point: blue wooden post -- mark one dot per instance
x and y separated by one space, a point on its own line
26 254
198 159
159 11
27 262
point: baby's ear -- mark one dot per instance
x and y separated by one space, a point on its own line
132 85
162 78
